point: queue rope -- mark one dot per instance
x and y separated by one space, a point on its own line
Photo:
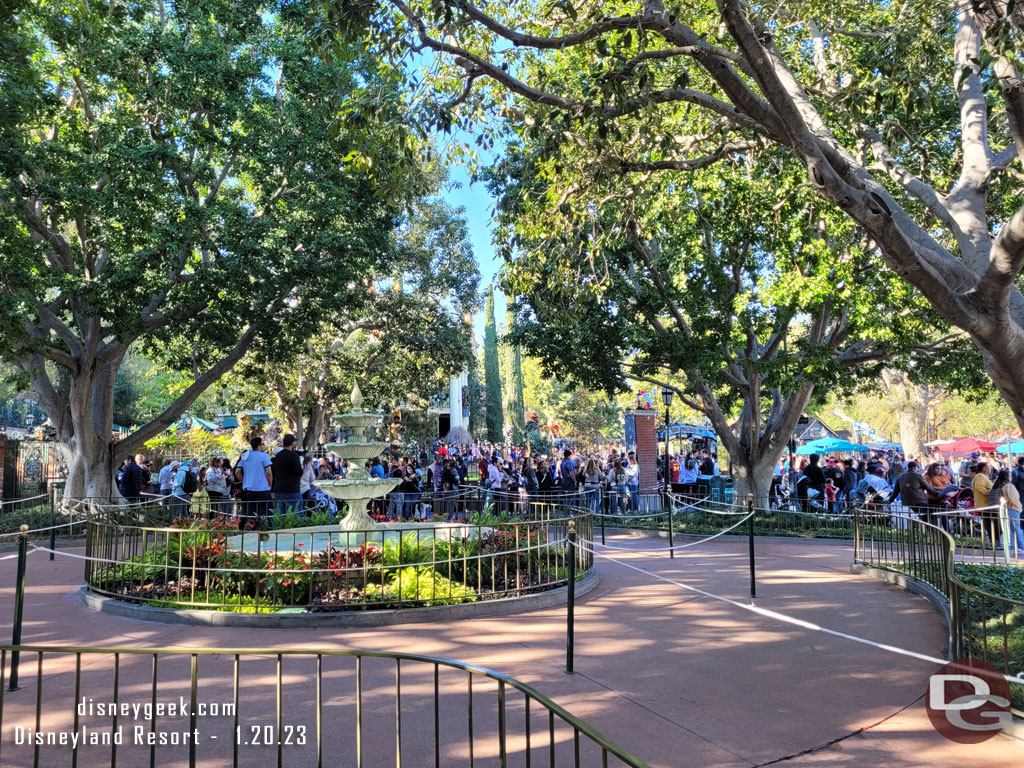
765 612
22 501
288 571
48 528
683 546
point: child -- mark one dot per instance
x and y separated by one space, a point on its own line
830 495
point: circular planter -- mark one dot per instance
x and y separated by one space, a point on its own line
299 619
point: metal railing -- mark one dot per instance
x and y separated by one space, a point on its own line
209 563
294 707
982 625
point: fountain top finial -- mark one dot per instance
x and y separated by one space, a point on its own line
357 396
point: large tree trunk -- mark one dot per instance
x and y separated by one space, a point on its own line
910 401
751 482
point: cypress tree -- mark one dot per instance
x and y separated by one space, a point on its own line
492 374
516 417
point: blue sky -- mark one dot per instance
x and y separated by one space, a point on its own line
478 205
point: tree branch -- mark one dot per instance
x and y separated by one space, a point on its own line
157 425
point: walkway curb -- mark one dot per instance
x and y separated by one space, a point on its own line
363 619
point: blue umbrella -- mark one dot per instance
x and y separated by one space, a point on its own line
829 445
1017 447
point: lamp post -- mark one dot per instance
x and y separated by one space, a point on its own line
666 398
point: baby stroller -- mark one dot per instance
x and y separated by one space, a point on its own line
959 516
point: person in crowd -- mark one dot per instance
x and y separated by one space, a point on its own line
980 483
1009 492
216 486
618 482
286 481
815 481
184 484
254 471
912 490
307 483
633 482
592 485
132 480
166 478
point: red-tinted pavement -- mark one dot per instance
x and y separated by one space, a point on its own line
676 678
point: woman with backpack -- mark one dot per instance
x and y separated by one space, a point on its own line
617 481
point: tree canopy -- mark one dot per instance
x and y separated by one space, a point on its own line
907 118
173 177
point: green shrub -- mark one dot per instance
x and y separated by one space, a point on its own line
420 586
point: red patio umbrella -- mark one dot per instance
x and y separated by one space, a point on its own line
966 445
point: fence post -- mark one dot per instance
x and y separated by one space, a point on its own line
1004 529
856 534
53 524
671 542
602 529
570 634
750 543
19 606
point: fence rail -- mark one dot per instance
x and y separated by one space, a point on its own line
211 564
294 707
982 625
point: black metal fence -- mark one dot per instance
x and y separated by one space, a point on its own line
209 562
294 708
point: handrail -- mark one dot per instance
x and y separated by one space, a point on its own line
606 745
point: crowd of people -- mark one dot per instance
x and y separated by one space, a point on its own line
605 478
935 492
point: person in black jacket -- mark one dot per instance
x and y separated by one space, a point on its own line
132 481
912 490
815 480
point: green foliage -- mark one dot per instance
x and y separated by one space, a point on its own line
420 586
177 180
1005 581
493 412
514 372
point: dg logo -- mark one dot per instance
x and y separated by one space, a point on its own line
968 701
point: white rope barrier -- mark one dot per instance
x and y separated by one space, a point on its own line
775 615
48 528
682 546
299 571
22 501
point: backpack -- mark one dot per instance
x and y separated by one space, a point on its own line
191 483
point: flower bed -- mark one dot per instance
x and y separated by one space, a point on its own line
198 564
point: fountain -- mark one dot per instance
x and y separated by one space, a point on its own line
357 487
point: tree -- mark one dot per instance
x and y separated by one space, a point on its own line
516 407
174 178
755 303
403 339
492 374
477 405
906 117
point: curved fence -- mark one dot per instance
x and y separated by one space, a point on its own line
211 564
294 708
982 625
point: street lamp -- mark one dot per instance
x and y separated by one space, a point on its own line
666 398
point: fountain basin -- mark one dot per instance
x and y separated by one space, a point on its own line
357 489
355 451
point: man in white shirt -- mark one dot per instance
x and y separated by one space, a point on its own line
255 473
633 482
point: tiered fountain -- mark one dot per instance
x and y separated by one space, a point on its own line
357 488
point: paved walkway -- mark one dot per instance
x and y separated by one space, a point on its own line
676 678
